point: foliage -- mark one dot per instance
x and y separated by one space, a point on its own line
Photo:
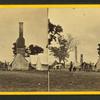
65 47
31 50
53 30
34 49
14 48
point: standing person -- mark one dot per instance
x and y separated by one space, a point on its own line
71 66
90 67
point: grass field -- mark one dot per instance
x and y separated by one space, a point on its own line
59 81
23 81
75 81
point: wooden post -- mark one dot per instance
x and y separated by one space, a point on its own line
48 80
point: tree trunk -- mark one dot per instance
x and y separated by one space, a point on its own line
59 61
64 63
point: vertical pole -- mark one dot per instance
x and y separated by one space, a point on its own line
48 67
48 81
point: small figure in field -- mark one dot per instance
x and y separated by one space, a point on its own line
74 69
71 66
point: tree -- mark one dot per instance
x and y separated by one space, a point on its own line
98 49
65 47
14 48
34 50
31 50
53 30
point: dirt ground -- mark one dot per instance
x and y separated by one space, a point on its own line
59 81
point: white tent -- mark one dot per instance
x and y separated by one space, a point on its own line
20 63
40 66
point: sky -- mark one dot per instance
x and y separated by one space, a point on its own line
35 30
84 25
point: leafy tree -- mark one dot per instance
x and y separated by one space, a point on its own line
53 31
34 50
65 47
31 50
14 48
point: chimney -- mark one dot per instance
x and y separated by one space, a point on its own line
20 29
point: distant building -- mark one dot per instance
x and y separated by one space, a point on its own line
56 65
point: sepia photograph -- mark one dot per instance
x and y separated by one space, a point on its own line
49 49
24 55
74 49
